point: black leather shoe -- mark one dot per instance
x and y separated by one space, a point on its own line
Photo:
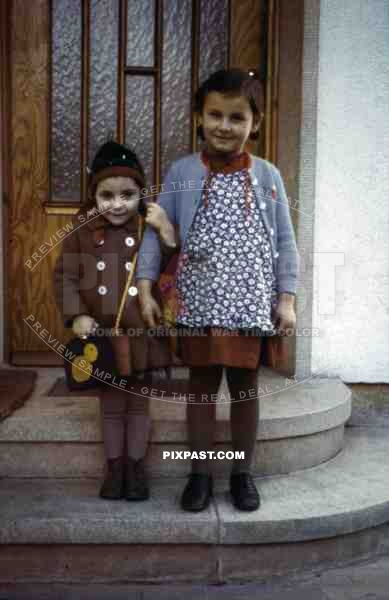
113 485
136 485
197 493
243 491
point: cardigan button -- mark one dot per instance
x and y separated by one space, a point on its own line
255 181
263 205
276 255
271 231
128 265
100 266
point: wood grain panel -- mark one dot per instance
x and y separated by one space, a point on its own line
248 50
29 289
291 37
289 94
245 35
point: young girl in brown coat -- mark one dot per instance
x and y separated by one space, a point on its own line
102 246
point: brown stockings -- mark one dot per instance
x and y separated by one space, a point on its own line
126 422
201 414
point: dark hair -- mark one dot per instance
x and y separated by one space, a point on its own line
234 82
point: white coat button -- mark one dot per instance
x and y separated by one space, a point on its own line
263 205
100 265
102 290
128 265
271 231
129 241
132 291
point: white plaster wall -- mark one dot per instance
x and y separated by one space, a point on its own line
351 309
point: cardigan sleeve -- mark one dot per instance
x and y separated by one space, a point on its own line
288 257
149 258
66 280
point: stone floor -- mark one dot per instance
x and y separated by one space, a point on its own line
361 581
364 580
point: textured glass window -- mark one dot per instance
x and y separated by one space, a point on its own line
140 121
66 101
104 48
176 81
97 113
213 47
140 33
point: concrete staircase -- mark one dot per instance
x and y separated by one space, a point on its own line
324 492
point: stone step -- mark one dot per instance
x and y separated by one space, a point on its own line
286 410
87 460
63 529
301 425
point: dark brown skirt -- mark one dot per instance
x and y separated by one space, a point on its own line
216 345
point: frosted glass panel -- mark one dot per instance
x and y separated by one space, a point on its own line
140 121
213 37
66 101
176 81
104 40
140 33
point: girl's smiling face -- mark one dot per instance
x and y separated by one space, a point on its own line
227 121
117 198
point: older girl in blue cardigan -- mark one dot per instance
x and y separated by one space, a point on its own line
236 276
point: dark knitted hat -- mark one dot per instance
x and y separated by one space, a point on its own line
113 160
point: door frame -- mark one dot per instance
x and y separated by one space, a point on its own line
285 85
5 113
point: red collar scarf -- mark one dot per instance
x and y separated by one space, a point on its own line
238 162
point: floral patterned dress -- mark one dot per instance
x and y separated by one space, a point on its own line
225 280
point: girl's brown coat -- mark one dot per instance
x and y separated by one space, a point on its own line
95 243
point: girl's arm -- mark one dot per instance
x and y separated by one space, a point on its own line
149 259
288 259
168 234
284 314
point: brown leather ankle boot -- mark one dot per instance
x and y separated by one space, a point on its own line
136 486
113 485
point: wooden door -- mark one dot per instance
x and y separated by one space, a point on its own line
83 70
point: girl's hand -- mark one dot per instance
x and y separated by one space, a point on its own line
149 307
156 217
284 315
84 325
151 313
